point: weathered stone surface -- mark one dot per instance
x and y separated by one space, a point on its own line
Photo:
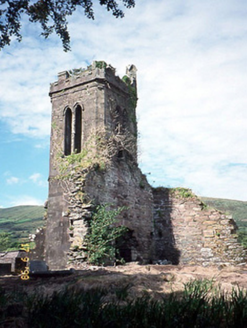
205 238
14 259
105 102
124 179
164 225
38 266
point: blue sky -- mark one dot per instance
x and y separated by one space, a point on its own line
191 58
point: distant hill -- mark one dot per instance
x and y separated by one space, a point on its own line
237 208
16 223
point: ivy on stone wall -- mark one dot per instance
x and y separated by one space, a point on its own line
97 152
132 98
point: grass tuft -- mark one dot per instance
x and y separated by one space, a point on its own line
200 305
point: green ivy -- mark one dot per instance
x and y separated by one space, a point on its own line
126 80
132 98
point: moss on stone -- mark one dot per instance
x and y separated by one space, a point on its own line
182 192
100 64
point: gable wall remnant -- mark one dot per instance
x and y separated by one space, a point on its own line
189 232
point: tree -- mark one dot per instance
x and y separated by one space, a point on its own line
6 242
51 14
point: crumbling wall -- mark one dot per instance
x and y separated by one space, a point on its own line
107 106
189 232
123 184
163 224
119 184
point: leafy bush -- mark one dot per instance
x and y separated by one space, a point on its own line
101 240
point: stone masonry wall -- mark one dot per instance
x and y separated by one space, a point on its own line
120 184
123 184
188 232
163 224
107 105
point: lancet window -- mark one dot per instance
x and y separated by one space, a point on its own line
73 130
67 132
78 129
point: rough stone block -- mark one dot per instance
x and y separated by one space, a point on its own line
210 223
5 269
38 266
208 233
224 222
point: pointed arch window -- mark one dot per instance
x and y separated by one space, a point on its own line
67 132
78 129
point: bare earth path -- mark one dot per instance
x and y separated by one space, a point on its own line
156 280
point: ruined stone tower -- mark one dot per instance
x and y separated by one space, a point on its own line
86 103
93 160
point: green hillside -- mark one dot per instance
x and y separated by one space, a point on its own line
16 223
236 208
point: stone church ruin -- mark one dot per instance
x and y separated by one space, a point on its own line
93 160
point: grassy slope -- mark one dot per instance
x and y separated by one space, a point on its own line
238 209
20 221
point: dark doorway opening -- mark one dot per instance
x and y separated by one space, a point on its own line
124 245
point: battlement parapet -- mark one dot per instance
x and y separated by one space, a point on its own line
99 72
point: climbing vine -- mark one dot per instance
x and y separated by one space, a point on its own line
97 152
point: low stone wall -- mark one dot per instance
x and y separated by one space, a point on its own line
189 232
10 262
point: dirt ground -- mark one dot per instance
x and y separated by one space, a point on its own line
156 280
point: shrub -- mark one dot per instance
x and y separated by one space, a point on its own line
103 232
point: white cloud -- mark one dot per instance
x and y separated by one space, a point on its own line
26 200
38 180
191 61
12 180
35 177
43 145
